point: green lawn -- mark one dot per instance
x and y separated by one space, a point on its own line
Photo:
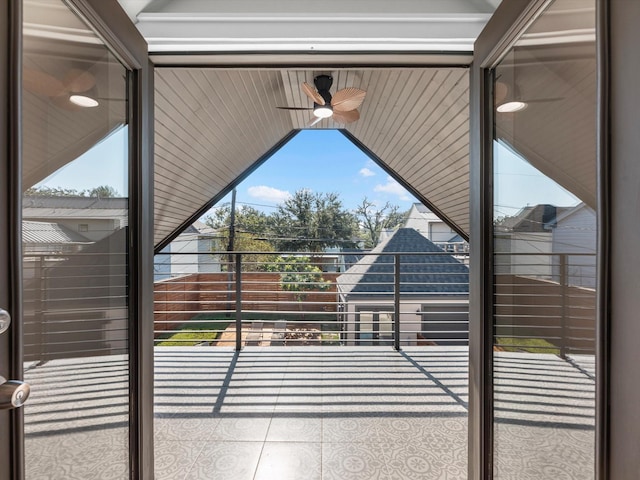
530 345
199 328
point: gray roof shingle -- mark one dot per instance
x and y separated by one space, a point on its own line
439 273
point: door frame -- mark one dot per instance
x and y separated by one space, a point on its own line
11 421
508 21
116 29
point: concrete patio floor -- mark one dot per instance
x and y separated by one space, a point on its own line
312 413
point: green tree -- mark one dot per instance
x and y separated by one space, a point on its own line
374 219
299 275
309 221
102 191
250 228
248 220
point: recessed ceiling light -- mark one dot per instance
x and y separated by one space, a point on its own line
83 101
510 107
323 111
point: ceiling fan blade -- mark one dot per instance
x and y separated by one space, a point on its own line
78 81
40 83
347 99
315 120
312 94
294 108
345 117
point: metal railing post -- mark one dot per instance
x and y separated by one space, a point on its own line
238 258
396 302
563 315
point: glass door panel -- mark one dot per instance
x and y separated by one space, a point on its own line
365 328
75 248
544 242
385 328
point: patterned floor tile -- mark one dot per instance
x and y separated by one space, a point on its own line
352 461
241 429
226 460
174 459
295 429
289 461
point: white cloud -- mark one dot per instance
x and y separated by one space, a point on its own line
365 172
268 194
394 188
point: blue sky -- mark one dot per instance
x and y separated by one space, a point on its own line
518 184
323 161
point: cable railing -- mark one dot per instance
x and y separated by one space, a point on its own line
75 304
545 303
283 298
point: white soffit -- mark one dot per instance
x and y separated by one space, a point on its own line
193 26
214 124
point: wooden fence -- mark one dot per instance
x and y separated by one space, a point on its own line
178 299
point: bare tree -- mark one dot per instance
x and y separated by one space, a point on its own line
374 219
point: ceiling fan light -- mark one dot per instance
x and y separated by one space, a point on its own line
510 107
83 101
323 111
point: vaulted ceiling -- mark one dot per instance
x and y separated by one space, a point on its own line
213 124
223 66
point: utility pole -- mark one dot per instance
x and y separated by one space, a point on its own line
230 247
232 222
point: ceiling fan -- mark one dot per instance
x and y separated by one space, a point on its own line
75 90
508 101
341 107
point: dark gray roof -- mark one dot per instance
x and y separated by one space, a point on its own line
536 218
438 273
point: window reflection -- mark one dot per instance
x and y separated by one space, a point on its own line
75 218
545 248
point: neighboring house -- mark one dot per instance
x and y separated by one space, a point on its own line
574 235
549 242
45 244
189 252
524 242
50 238
93 217
427 223
434 294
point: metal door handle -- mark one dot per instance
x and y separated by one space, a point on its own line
5 320
13 393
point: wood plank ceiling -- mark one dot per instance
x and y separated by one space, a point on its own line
214 124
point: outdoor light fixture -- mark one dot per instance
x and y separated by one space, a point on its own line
83 101
510 107
322 111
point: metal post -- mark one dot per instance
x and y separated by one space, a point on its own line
396 302
238 302
563 315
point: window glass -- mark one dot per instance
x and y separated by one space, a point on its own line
545 234
75 217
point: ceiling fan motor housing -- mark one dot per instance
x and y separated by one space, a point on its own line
323 84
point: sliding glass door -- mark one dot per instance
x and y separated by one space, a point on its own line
73 274
538 77
75 216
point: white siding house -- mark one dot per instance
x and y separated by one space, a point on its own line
434 294
190 252
575 236
427 223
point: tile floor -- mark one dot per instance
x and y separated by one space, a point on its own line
311 413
